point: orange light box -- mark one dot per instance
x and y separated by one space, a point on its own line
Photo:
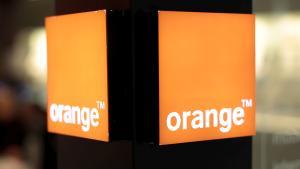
206 76
77 75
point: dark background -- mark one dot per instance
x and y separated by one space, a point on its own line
37 149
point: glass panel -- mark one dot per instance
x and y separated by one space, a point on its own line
277 144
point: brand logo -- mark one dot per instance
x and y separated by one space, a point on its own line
197 119
77 75
206 76
75 115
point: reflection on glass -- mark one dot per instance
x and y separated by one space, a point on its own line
277 144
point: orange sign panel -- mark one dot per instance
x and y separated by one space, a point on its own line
206 76
77 75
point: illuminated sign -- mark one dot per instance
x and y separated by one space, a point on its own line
206 76
77 75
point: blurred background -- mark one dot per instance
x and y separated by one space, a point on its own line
24 143
277 144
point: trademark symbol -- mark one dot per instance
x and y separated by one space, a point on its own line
246 102
100 105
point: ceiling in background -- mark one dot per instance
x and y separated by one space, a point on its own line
276 5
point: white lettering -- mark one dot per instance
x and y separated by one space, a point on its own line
224 119
74 115
169 121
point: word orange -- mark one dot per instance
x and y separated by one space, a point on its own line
77 75
206 76
202 119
